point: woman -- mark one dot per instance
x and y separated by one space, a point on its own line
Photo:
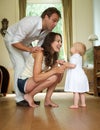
42 71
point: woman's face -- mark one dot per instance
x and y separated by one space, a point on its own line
56 45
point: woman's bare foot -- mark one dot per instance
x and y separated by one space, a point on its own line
29 99
50 104
73 107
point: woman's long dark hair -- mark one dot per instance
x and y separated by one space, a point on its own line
50 59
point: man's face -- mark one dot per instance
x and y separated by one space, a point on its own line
51 21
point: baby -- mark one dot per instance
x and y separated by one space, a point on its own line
76 79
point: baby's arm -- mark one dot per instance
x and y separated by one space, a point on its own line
67 64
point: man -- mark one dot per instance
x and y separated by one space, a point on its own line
19 36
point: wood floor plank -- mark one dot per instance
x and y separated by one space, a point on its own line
13 117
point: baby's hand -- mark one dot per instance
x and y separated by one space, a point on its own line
60 62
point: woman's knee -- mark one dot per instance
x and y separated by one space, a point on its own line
53 78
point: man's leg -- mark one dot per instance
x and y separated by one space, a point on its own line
18 62
15 56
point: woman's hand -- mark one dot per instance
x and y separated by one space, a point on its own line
59 69
60 62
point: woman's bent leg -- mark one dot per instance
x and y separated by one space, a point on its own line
48 101
39 87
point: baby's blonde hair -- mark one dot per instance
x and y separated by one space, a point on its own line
80 48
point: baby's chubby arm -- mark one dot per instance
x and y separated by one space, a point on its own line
66 64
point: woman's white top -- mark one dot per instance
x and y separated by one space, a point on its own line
76 79
28 69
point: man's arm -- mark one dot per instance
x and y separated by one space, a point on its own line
22 47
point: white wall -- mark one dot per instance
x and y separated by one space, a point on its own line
82 25
82 20
8 9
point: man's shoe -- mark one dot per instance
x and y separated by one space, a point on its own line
24 103
37 102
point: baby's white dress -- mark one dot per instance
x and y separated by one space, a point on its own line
76 79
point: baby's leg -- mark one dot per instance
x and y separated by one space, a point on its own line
76 100
82 97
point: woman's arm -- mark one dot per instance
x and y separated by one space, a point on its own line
38 75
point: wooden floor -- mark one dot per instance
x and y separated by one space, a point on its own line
13 117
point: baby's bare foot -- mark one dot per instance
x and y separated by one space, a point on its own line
73 107
83 106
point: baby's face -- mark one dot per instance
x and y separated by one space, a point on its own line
73 50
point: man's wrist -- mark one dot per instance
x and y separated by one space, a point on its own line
29 49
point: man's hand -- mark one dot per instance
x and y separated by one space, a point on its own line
23 47
35 49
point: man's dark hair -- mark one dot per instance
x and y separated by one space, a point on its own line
49 11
